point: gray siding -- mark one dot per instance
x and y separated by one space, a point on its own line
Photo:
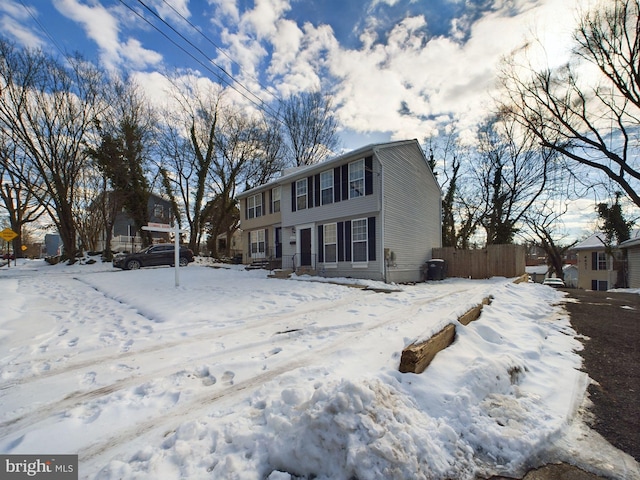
402 202
412 211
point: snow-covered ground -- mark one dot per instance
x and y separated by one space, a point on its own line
233 375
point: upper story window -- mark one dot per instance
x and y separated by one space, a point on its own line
254 206
301 194
275 199
599 261
356 179
158 211
326 187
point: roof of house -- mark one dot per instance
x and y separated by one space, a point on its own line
295 172
634 241
598 241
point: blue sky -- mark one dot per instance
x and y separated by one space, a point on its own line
397 69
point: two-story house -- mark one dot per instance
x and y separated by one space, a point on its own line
372 213
596 269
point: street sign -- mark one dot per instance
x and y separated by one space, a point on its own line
7 234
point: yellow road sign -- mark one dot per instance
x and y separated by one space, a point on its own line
8 234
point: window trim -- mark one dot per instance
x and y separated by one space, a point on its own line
255 239
254 206
360 179
359 263
276 199
328 174
299 195
334 263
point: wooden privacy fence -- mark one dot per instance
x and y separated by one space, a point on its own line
492 261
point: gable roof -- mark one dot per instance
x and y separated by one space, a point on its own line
598 241
306 170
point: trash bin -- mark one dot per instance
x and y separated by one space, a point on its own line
436 269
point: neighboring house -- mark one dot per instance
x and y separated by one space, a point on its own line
595 266
632 247
232 246
570 274
373 213
125 238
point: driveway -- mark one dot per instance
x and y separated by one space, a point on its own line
611 354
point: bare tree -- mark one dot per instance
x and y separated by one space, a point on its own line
543 226
247 155
188 148
512 173
48 109
310 128
21 205
592 124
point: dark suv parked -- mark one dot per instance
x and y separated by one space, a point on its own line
152 256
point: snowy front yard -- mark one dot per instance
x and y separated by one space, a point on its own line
234 375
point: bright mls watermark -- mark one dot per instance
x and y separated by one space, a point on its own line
50 467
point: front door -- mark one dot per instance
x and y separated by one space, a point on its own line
305 247
278 242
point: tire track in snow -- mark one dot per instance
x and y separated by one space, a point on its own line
268 318
202 403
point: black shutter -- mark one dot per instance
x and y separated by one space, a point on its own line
340 234
594 260
270 202
347 241
309 192
316 189
336 184
264 198
293 196
345 182
249 243
266 242
368 176
246 208
320 244
371 236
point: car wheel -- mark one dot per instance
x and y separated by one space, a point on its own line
184 262
133 265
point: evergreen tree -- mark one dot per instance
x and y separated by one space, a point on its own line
614 225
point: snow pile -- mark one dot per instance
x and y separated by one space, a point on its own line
233 375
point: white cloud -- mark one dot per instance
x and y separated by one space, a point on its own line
103 28
12 19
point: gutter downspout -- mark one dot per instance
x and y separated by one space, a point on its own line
382 226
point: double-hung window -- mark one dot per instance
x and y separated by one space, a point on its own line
599 261
301 194
326 187
356 179
275 199
257 243
330 239
359 240
254 206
